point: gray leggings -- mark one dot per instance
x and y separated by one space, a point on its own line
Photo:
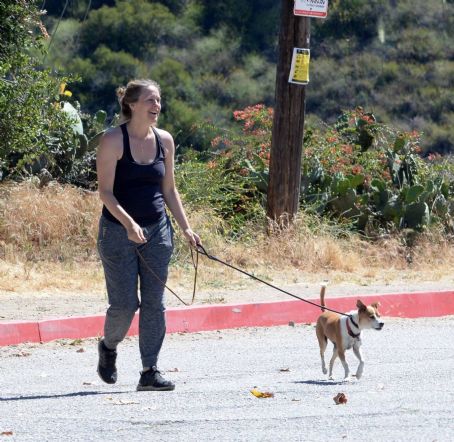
123 269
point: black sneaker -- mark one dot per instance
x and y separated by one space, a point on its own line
151 380
106 366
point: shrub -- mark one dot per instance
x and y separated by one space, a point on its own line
359 172
33 127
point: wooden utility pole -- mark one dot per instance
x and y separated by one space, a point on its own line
288 121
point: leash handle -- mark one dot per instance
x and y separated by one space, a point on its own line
194 263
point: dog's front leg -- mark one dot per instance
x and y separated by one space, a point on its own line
357 351
344 363
322 356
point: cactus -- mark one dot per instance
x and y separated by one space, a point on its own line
417 215
394 210
259 175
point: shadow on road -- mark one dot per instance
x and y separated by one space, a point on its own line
56 396
320 382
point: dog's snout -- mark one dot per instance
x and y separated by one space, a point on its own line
380 325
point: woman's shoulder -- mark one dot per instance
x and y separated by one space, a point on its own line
112 140
164 134
167 142
112 133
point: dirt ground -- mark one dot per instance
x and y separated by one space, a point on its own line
38 305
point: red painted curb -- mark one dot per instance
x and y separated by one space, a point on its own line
78 327
17 332
405 305
200 318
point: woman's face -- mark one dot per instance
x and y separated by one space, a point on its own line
148 106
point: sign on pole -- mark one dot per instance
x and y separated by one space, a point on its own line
311 8
299 70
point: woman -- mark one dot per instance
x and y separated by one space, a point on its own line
135 165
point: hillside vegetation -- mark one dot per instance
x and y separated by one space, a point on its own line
392 57
377 186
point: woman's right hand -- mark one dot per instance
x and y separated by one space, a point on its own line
135 234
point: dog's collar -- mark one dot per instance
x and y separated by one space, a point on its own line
349 329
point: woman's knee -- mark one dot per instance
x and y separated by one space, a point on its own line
125 309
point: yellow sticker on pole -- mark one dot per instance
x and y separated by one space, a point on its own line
299 70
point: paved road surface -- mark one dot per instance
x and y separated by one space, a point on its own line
51 391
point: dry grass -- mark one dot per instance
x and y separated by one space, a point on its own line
48 243
53 223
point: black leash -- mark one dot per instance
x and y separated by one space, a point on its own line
201 249
195 263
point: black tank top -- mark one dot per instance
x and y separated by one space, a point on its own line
137 187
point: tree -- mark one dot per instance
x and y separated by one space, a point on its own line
31 121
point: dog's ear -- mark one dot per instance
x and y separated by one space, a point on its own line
360 305
375 305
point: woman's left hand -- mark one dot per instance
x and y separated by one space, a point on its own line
192 237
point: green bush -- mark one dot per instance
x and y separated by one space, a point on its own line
359 172
35 131
42 132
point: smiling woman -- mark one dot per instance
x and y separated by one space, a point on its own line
135 165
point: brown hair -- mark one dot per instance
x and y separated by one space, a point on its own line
130 94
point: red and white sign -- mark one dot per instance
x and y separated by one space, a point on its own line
311 8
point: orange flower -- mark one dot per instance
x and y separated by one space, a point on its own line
367 119
215 141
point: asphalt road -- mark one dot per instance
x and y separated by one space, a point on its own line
51 391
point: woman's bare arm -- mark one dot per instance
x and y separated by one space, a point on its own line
170 192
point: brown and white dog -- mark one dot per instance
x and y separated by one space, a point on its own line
345 333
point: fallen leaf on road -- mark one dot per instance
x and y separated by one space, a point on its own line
173 370
76 342
81 350
340 398
21 354
6 433
261 394
123 402
284 369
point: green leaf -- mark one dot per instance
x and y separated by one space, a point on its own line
417 215
412 194
399 143
377 185
393 209
355 180
101 116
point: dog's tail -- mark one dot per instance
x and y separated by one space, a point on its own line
322 296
